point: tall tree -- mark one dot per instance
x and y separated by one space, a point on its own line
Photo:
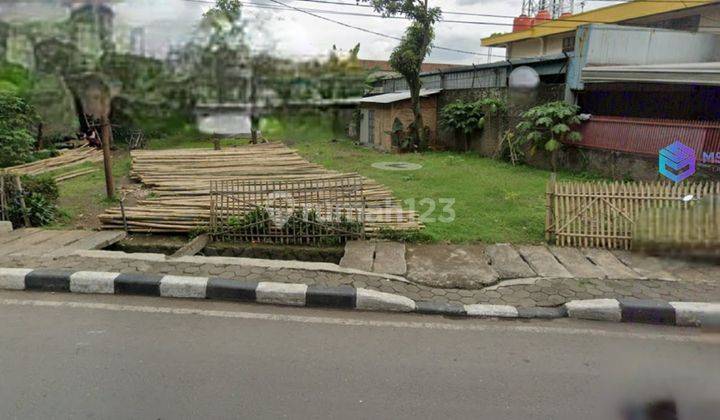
226 43
408 56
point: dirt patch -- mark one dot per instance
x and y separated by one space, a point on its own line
168 244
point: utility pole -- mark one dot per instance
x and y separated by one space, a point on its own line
107 159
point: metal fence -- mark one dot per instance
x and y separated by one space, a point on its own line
646 136
321 211
604 214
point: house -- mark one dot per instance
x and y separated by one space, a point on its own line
539 36
647 72
379 112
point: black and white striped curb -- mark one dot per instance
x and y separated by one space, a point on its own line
293 294
688 314
298 294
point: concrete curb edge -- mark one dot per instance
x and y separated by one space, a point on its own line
695 314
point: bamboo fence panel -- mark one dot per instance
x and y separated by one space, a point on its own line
692 229
605 214
288 212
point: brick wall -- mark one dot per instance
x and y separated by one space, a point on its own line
386 114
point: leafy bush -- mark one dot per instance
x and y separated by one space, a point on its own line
40 194
14 79
467 118
548 125
16 119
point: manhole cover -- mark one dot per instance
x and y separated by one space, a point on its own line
396 166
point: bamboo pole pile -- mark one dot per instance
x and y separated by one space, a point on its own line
180 179
66 159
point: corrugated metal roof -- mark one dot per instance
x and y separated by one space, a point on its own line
389 98
685 73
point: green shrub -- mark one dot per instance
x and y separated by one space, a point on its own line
16 119
547 126
40 194
466 118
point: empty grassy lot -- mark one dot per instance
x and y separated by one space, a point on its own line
493 201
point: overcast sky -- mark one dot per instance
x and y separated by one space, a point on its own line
298 34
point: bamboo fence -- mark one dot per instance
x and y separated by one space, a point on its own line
604 214
692 230
288 212
180 181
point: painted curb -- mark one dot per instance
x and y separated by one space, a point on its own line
688 314
290 294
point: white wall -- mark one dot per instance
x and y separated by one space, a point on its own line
629 45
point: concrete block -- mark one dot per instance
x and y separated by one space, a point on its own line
281 293
500 311
335 297
595 309
647 311
13 278
440 308
183 287
93 282
373 300
138 284
227 289
695 314
48 280
542 312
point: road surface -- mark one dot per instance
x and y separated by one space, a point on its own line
77 356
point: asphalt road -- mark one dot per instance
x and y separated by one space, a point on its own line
74 356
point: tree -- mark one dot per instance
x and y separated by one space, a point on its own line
16 119
226 49
408 56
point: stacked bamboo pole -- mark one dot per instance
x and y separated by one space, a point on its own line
66 159
180 183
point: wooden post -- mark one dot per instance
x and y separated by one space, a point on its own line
40 137
122 211
107 159
18 187
253 110
2 196
549 207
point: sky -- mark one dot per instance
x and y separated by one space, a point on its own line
291 33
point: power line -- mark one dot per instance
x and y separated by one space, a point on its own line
358 28
565 23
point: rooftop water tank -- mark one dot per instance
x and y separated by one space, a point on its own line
522 23
542 16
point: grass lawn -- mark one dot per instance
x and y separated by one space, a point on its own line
83 198
493 201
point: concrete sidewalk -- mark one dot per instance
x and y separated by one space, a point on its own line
519 292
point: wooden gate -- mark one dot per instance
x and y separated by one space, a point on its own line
604 214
